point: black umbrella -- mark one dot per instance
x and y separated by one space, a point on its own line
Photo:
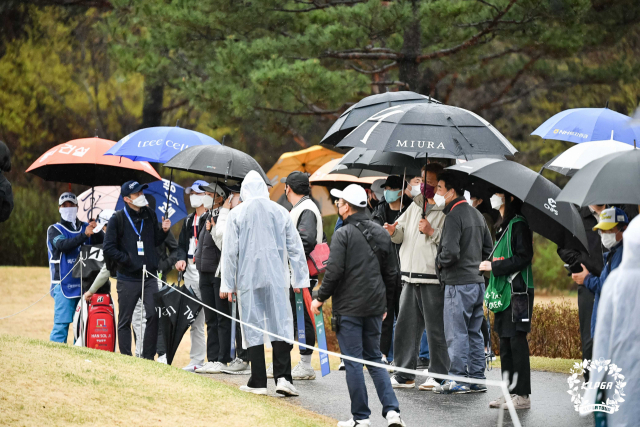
372 160
557 221
177 312
366 108
612 179
217 161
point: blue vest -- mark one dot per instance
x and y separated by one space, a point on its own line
62 265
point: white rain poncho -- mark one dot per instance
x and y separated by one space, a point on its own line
259 241
617 336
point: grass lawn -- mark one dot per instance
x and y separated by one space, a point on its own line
57 385
546 364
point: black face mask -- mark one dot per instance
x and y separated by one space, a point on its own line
373 203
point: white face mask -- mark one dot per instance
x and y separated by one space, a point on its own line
207 201
608 240
196 200
69 214
415 190
496 202
140 201
440 200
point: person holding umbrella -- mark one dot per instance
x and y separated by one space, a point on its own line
511 278
63 245
132 235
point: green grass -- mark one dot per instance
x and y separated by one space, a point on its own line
547 364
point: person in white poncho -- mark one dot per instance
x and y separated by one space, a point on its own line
259 241
617 337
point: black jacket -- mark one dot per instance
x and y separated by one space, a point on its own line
6 193
120 243
591 260
186 233
359 285
166 261
207 254
379 216
522 250
465 243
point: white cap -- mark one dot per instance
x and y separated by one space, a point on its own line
103 219
353 194
68 197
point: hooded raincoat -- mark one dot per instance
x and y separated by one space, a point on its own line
617 337
260 240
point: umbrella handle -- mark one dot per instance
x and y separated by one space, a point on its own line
180 273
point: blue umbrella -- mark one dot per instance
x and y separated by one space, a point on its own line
159 190
158 144
588 124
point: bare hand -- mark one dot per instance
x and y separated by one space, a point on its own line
485 266
579 277
230 296
227 203
181 265
425 227
224 295
296 290
166 224
210 224
384 316
315 306
87 296
89 230
390 228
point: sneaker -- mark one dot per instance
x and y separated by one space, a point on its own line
423 364
499 401
270 371
394 420
301 372
521 402
285 388
451 387
477 388
212 368
162 359
353 423
248 389
191 367
341 367
384 360
399 382
429 384
238 367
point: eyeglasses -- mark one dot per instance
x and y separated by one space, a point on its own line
337 203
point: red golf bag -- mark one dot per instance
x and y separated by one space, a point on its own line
101 323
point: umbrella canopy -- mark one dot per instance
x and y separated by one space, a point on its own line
217 161
576 157
82 161
557 221
388 163
159 144
366 108
324 177
588 124
435 129
612 179
104 197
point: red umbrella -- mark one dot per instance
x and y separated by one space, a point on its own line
82 161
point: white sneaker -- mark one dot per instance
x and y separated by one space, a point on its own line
248 389
211 368
394 420
402 383
162 359
429 384
285 388
238 367
191 367
341 367
352 423
301 372
499 401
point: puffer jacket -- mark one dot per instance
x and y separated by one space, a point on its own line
207 254
418 251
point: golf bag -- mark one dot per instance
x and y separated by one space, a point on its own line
94 324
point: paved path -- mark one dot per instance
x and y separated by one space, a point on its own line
551 405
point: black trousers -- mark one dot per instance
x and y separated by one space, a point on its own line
129 292
514 357
386 337
309 329
281 364
585 309
215 340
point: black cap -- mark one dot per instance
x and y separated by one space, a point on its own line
235 188
393 181
298 181
130 187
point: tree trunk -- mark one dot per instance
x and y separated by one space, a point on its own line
408 66
152 107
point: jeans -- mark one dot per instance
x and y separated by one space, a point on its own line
63 311
462 321
129 292
360 337
424 346
281 364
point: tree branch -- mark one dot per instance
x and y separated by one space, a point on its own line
318 112
511 83
489 4
316 5
390 83
174 106
377 70
361 55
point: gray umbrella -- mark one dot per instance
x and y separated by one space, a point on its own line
387 163
612 179
366 108
217 161
557 221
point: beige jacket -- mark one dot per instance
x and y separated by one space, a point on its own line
418 251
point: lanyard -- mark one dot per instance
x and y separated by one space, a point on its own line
195 230
461 201
133 226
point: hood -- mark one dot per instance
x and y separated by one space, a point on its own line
5 158
631 243
253 187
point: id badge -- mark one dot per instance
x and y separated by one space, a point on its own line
140 248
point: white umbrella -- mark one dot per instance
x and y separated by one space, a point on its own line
104 197
576 157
